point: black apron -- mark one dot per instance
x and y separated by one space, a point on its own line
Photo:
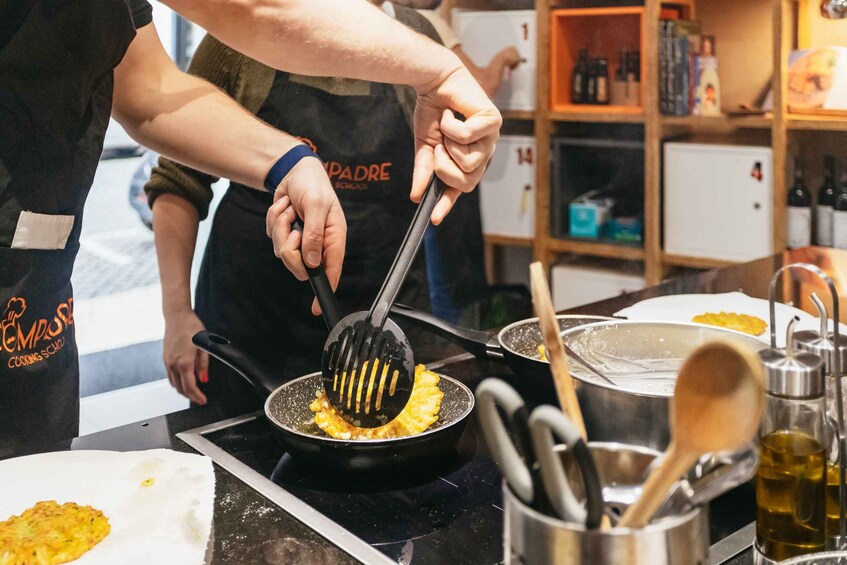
56 80
245 293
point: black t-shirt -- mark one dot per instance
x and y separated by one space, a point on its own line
142 12
12 15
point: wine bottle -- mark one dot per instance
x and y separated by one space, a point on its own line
591 90
839 215
579 79
602 81
826 198
799 211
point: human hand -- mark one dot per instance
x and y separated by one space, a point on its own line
307 193
458 151
185 363
509 57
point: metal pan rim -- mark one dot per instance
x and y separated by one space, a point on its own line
529 321
623 322
369 442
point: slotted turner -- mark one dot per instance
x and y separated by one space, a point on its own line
367 363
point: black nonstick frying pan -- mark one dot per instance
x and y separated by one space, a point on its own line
287 409
516 344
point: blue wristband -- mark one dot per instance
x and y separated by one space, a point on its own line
285 163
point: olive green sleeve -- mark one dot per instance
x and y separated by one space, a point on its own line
220 65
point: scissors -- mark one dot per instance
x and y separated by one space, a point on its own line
531 465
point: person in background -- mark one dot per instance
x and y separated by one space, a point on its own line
489 77
67 65
457 276
363 133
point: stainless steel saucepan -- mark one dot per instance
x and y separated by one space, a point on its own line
642 359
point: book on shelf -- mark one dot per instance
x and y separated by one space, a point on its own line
680 43
707 89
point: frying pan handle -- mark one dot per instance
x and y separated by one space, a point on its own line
226 352
490 394
323 290
482 345
546 422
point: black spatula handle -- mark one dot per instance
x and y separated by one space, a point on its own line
323 290
407 253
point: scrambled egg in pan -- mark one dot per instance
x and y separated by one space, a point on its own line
48 534
739 322
419 414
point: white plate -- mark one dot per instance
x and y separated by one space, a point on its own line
167 522
683 307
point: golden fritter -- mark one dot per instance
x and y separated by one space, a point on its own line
419 414
542 352
739 322
49 533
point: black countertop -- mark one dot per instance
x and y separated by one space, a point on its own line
239 509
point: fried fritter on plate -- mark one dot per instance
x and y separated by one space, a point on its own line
49 533
730 320
419 414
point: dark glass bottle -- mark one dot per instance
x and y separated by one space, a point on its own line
602 81
839 215
799 211
591 91
620 75
826 198
634 66
579 79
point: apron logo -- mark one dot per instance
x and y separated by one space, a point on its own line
35 342
356 177
352 177
309 142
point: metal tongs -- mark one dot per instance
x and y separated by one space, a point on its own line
837 371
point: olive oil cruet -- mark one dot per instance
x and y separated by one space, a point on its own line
794 436
825 344
791 479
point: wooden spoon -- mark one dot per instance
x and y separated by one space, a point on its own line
717 405
553 344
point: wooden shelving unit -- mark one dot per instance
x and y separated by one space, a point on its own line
754 39
518 115
694 262
816 123
634 117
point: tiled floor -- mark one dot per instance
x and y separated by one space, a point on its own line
117 308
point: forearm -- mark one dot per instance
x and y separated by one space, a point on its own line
346 38
194 123
481 74
189 120
175 223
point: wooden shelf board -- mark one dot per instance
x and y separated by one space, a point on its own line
816 123
719 122
527 115
600 11
597 249
506 240
695 262
599 117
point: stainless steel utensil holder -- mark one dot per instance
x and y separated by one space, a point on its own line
837 370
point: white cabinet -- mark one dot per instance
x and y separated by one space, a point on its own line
575 285
507 194
718 201
484 34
